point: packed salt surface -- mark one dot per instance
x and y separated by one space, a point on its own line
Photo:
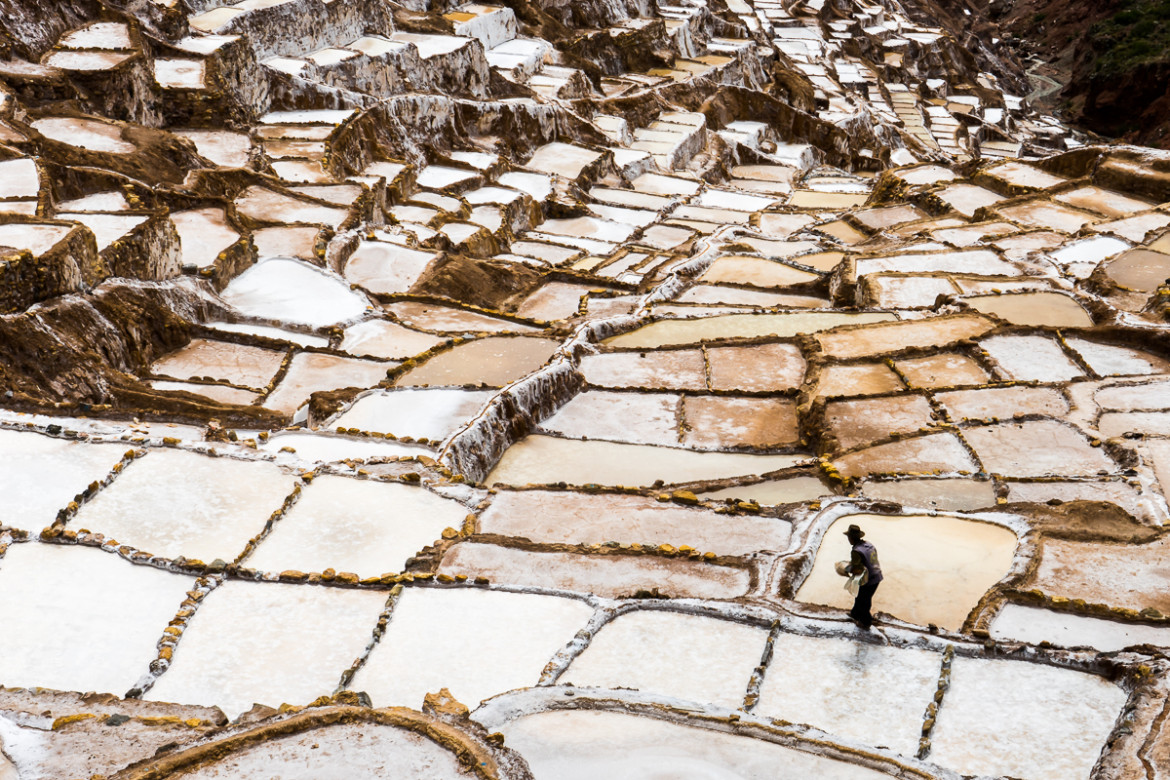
935 568
588 744
41 475
476 643
872 693
416 412
672 654
1031 721
312 447
81 619
1019 623
285 290
342 750
173 503
360 526
270 643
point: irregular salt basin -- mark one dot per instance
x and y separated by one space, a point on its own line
313 447
637 418
764 367
386 268
757 272
1130 576
720 422
1139 269
107 228
547 459
219 393
893 336
219 146
343 750
385 339
237 363
955 495
1031 358
1003 402
857 379
450 319
1110 360
269 643
588 744
554 301
268 206
494 361
416 412
674 369
609 576
837 684
568 517
476 643
173 503
936 568
19 178
772 492
360 526
1049 215
286 290
737 326
37 239
936 452
1024 720
1037 449
1018 623
204 233
309 372
867 420
672 654
298 242
1051 310
85 134
945 369
42 474
59 635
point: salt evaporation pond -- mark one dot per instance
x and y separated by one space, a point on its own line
310 372
494 361
547 459
174 503
1019 623
772 492
42 474
699 659
81 619
417 412
361 526
286 290
588 744
326 448
270 643
872 693
737 326
1025 720
935 568
476 643
385 339
364 750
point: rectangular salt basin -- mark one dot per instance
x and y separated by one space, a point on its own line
857 690
268 643
386 268
699 659
609 576
545 459
731 326
1019 623
309 372
476 643
421 413
79 619
1031 358
42 474
173 503
365 527
590 744
568 517
635 418
314 447
1025 720
386 339
239 364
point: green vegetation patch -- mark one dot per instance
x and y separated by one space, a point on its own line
1135 35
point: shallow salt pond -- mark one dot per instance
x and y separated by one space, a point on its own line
386 268
1130 576
85 134
1003 402
866 420
365 527
269 643
608 576
1139 269
689 657
219 393
237 363
42 474
763 367
1111 360
674 369
588 744
173 503
773 492
720 422
450 319
589 518
1019 623
476 643
365 750
756 271
385 339
80 619
314 447
494 361
1031 358
946 369
204 233
738 326
1036 449
422 413
1031 721
547 459
309 372
838 685
857 379
287 290
955 495
636 418
1041 309
936 568
892 336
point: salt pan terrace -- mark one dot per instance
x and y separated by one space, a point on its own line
434 390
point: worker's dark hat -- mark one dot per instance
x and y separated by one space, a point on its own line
854 530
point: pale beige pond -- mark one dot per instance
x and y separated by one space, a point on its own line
236 363
494 361
738 326
1042 309
935 568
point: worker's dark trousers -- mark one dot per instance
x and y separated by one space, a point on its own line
862 604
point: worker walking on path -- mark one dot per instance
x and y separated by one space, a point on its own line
864 562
